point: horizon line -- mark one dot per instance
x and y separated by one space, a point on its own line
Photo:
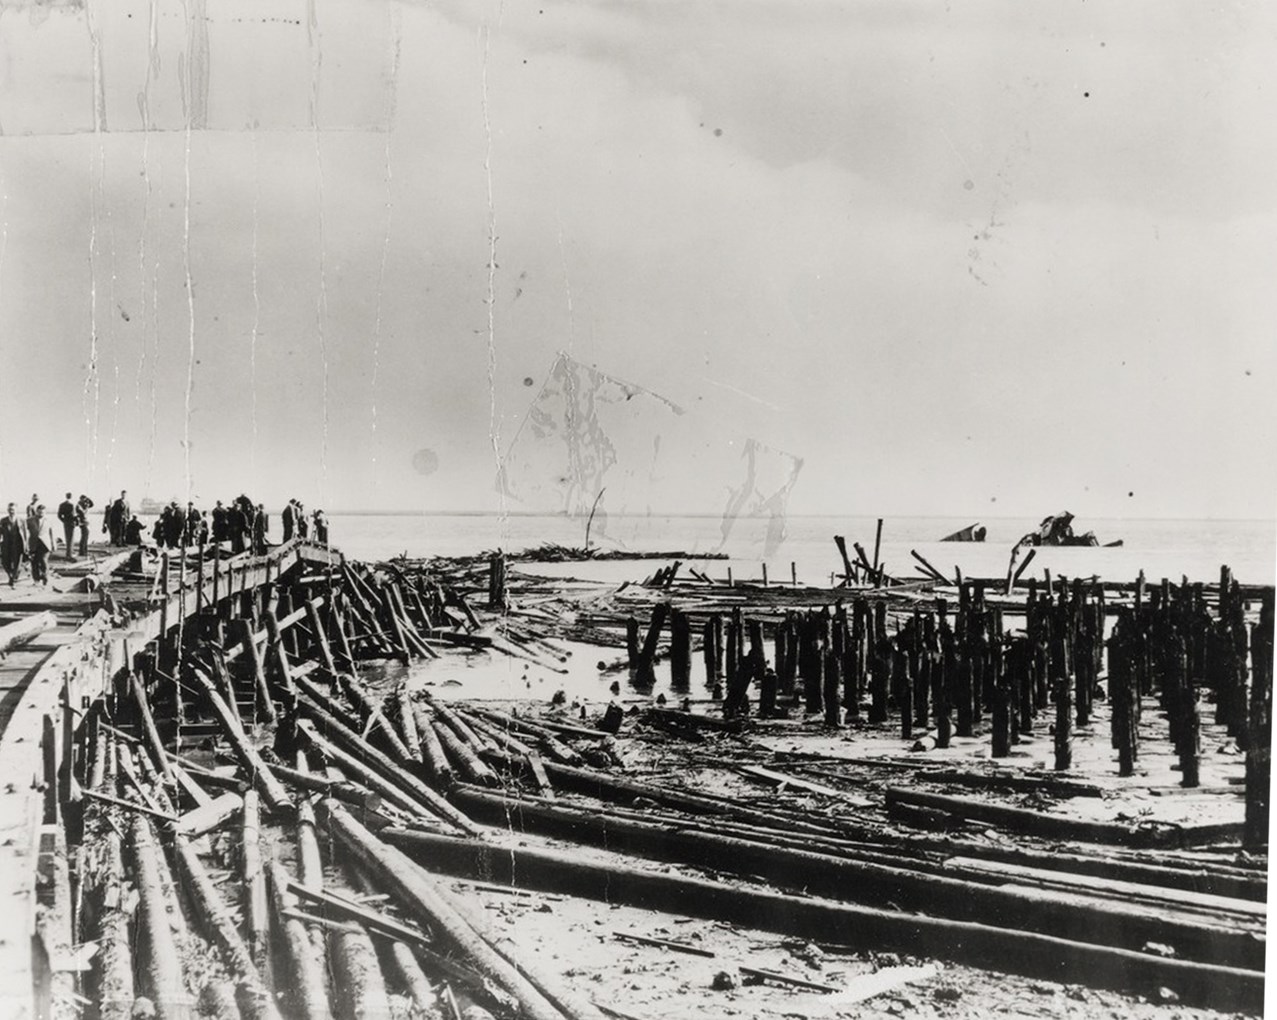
364 512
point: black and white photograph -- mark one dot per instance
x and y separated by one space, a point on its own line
636 509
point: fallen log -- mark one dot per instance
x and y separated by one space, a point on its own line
963 942
158 963
373 920
114 991
347 793
370 757
272 791
369 712
401 935
19 632
208 817
1050 826
615 788
128 805
392 870
431 750
1126 924
515 746
407 722
545 734
187 784
377 786
254 880
359 988
153 741
461 754
459 726
1005 780
306 995
780 780
255 1000
413 979
310 868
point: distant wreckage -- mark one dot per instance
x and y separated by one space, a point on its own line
971 533
1058 530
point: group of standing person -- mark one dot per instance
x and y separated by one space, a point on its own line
244 524
297 523
31 537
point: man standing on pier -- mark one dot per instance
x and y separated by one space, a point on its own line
240 525
286 517
117 516
221 519
66 514
261 525
82 507
13 543
40 545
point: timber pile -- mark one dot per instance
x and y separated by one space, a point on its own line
258 829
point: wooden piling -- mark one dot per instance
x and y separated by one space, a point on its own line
1259 750
321 637
1063 725
496 581
242 634
254 879
680 652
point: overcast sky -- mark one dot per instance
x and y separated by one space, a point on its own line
1002 258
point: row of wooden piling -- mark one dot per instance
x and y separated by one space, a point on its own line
943 673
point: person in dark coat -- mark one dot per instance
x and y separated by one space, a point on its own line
286 518
66 514
117 516
221 523
194 525
82 507
240 525
133 531
261 525
13 543
175 525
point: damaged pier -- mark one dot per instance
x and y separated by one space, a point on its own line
230 793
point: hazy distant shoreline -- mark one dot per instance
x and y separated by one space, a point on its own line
762 517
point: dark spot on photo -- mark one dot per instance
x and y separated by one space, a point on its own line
425 461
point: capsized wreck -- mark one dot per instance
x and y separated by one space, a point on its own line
1058 530
971 533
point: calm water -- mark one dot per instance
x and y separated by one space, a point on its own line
1161 548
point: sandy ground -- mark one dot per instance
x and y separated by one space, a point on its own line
578 940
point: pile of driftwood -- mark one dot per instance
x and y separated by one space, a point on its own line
257 831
